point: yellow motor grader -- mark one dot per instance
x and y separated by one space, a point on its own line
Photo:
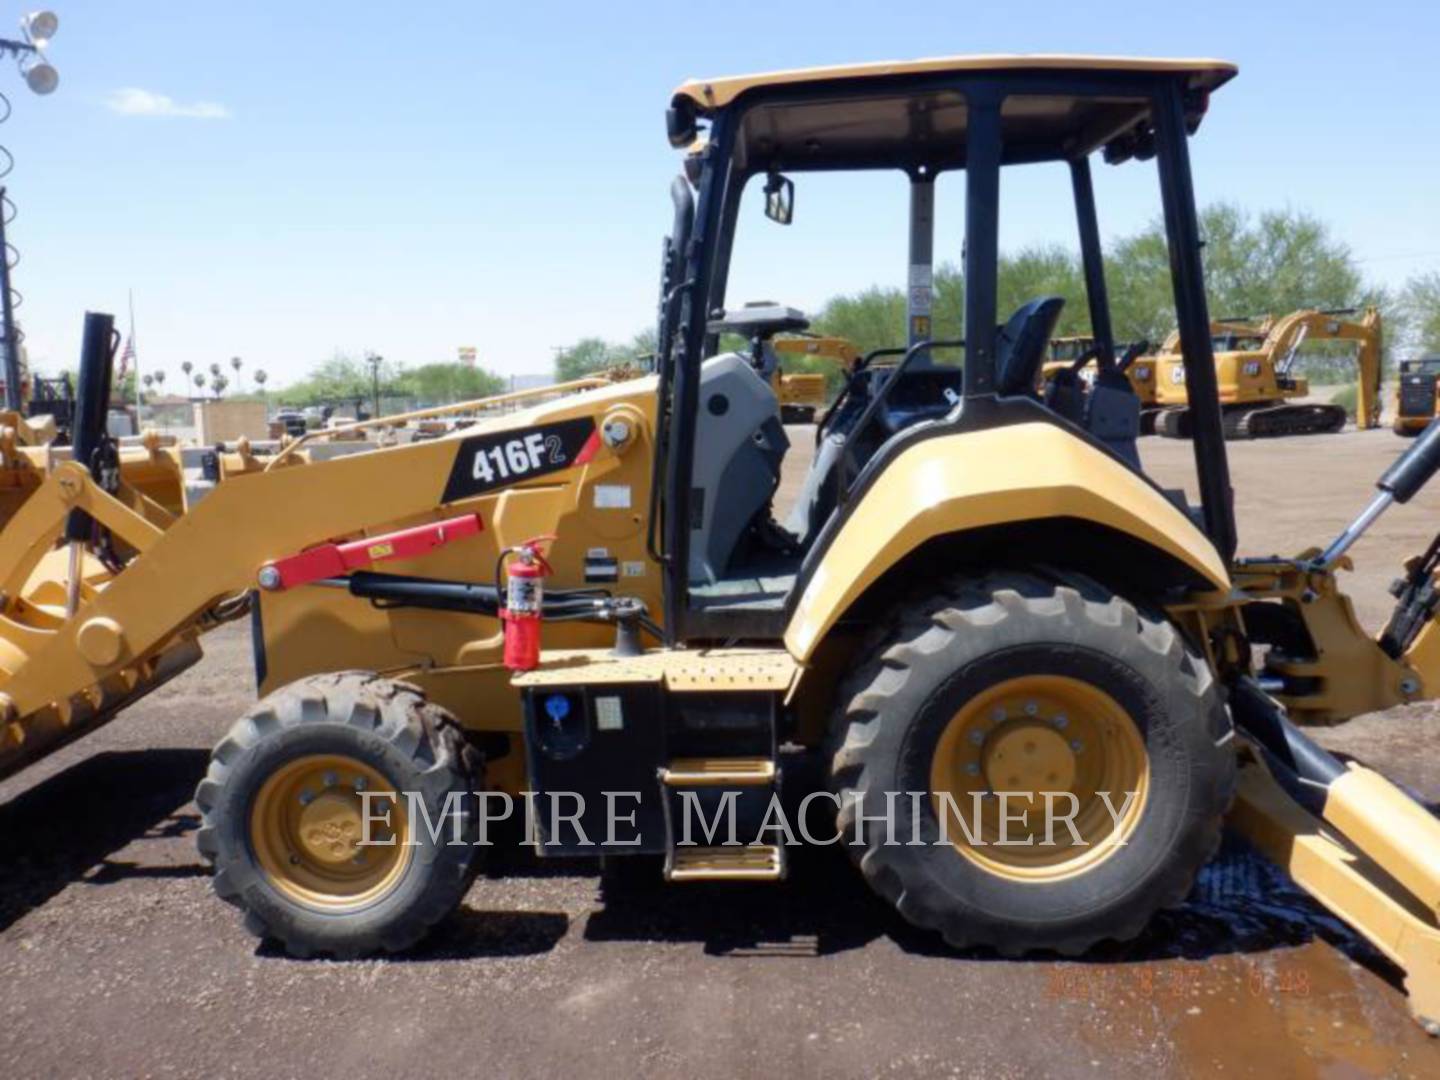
980 605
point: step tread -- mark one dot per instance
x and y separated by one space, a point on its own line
718 771
753 862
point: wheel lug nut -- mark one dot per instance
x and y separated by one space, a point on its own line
330 779
1060 720
360 783
1077 746
306 798
977 737
972 769
1031 708
998 714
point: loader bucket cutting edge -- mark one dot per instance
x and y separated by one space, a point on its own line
1358 873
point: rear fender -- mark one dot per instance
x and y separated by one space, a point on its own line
953 484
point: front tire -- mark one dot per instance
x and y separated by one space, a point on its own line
284 803
1015 683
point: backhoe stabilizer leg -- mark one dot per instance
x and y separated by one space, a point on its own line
1371 856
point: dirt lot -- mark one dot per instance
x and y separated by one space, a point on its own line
115 959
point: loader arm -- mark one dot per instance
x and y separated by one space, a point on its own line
63 674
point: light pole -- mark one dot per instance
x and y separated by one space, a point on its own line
38 27
375 360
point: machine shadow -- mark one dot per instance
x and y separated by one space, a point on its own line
1241 904
468 933
58 831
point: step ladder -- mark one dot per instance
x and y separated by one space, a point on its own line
725 794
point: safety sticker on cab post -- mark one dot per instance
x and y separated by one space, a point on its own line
612 496
486 462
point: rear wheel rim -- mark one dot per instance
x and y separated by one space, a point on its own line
1037 734
307 826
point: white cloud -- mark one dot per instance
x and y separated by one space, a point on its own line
132 101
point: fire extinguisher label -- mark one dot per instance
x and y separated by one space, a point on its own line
486 462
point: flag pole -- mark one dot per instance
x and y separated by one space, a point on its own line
135 359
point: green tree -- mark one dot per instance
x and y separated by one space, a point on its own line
446 382
1420 308
1044 271
592 354
1278 262
585 357
1270 264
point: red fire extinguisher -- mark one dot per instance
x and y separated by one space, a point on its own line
524 597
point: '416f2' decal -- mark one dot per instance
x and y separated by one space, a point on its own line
486 462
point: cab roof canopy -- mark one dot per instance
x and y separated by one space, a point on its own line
914 113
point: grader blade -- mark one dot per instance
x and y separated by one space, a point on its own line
1369 853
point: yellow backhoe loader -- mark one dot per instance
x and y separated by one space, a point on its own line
1259 391
980 606
1416 400
803 394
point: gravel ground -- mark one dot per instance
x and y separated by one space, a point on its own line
115 959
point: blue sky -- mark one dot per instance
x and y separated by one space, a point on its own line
282 180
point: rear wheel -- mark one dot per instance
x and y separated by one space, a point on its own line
1017 685
310 773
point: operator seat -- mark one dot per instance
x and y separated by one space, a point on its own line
1020 346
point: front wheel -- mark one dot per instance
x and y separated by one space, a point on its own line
1072 754
337 815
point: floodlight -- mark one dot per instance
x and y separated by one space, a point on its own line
40 27
41 77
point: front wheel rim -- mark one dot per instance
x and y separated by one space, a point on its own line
307 828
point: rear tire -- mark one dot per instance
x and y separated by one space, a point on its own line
1013 646
281 806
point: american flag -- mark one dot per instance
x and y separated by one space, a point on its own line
127 357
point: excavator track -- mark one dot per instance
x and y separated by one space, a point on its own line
1266 422
1173 423
1277 420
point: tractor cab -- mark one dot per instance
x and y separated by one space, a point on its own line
733 567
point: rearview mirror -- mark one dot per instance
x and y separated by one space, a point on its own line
779 198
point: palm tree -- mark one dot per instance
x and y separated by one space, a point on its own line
218 384
237 363
200 380
149 381
159 377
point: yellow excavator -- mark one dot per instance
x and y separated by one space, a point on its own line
1259 390
981 607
